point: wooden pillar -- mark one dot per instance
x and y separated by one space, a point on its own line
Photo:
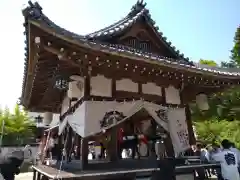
38 176
84 153
78 143
153 135
69 144
113 145
192 139
113 85
34 174
167 141
60 148
87 87
140 88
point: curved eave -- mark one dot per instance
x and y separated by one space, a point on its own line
26 60
140 56
136 11
120 26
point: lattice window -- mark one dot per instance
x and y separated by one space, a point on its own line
138 44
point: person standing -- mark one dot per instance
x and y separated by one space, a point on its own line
237 152
228 162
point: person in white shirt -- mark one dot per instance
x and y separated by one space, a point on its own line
228 162
205 156
237 152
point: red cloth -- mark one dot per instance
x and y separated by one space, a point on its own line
144 139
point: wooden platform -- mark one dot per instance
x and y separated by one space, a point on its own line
75 165
122 173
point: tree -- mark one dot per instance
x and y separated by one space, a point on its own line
221 120
214 131
223 105
235 52
208 62
235 57
18 126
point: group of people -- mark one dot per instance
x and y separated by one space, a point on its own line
227 155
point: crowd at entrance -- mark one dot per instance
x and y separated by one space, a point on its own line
227 155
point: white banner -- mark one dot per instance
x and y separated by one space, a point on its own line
87 117
178 129
77 120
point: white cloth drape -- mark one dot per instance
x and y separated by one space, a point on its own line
178 129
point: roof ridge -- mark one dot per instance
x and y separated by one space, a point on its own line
34 12
135 10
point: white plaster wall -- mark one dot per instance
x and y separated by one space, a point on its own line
54 122
47 118
151 88
126 85
101 86
172 95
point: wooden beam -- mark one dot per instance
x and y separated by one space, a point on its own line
62 54
192 139
33 75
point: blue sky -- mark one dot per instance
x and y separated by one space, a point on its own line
199 29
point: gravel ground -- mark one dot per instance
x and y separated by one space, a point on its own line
24 176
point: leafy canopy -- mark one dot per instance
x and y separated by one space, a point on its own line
208 62
17 126
221 121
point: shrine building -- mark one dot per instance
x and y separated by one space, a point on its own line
126 73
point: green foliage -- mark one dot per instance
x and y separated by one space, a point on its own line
17 126
208 62
221 121
223 106
214 131
235 57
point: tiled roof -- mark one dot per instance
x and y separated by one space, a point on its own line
123 50
34 13
137 12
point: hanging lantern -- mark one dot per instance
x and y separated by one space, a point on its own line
61 83
202 101
39 119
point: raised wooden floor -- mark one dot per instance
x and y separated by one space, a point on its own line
73 171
